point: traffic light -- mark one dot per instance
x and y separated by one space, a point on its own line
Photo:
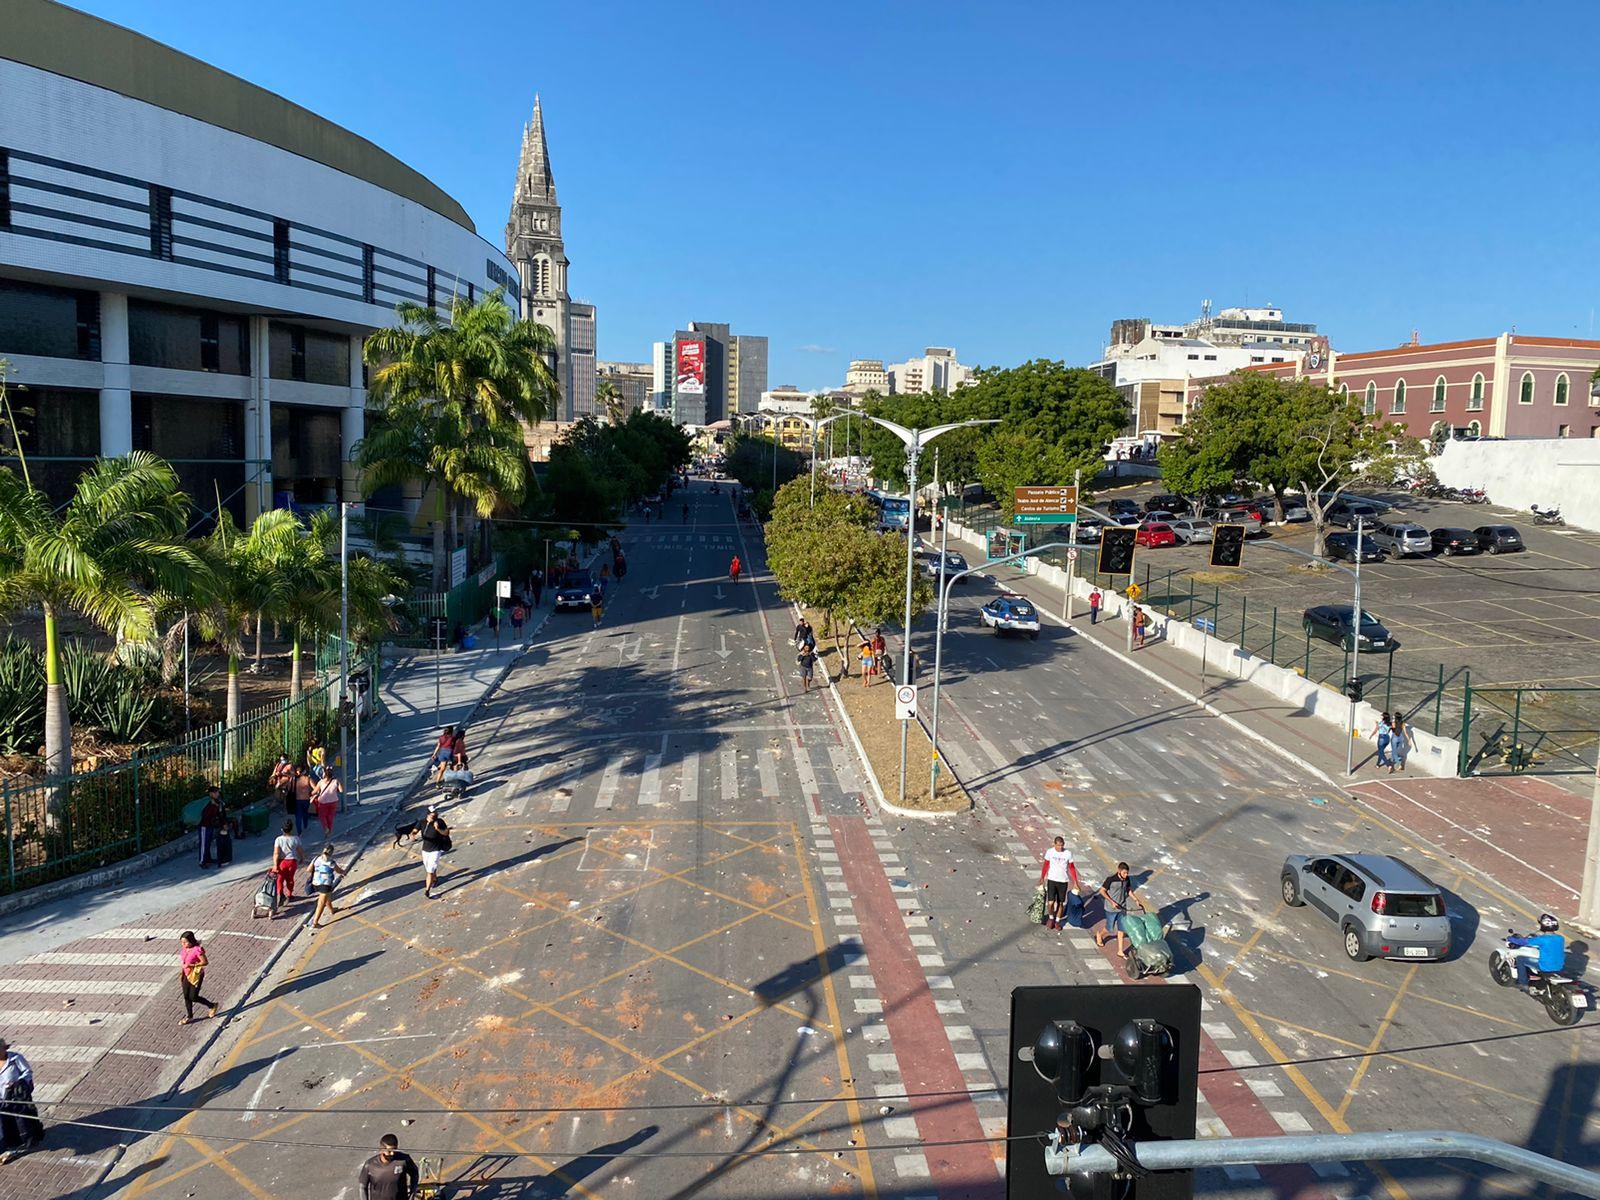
1112 1067
1227 545
1353 690
1116 551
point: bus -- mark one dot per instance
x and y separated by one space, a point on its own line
894 512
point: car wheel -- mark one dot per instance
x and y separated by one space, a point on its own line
1493 549
1291 892
1353 949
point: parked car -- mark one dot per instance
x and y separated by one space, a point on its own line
1010 614
1088 529
1331 623
1343 546
1165 502
1294 509
1384 908
1161 514
1498 539
574 590
1121 505
953 563
1452 541
1225 515
1347 514
1192 529
1155 533
1402 538
1127 518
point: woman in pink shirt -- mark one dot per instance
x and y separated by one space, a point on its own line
327 797
192 971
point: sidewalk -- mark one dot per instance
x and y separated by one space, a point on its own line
1522 832
88 987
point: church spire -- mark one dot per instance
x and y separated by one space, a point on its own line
535 184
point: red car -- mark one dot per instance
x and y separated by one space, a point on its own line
1156 533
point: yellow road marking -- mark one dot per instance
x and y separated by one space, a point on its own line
1377 1038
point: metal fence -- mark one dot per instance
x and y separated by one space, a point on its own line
60 827
1530 730
465 605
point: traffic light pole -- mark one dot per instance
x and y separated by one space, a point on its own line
1355 656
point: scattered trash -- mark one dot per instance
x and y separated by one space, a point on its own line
885 1109
1319 800
805 1031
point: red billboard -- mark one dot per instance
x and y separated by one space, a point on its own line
691 369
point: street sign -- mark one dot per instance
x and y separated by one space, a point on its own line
1134 591
1072 556
1045 505
905 702
502 588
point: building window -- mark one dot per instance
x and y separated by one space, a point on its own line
1563 430
1475 401
1438 395
1399 405
1370 406
1211 358
369 291
1475 428
161 223
433 288
280 251
1194 358
1561 390
210 348
186 339
1344 391
1525 392
5 190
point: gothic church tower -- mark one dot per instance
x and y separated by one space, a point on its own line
533 243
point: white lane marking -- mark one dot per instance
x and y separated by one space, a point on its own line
677 642
144 934
527 785
767 765
73 958
141 1053
77 1054
254 1102
690 789
844 770
608 784
802 766
650 785
1292 1122
84 987
12 1017
730 773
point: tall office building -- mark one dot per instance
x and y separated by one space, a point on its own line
633 381
747 372
714 373
582 360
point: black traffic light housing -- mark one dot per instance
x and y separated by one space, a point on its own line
1227 545
1108 1065
1354 689
1116 551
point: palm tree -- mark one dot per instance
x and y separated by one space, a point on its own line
609 400
310 606
451 394
103 555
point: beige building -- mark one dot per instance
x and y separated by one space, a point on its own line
866 375
936 371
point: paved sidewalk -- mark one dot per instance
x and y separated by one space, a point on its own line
1521 832
88 987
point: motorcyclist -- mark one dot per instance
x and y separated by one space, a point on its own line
1546 950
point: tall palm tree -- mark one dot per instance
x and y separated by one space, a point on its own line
451 394
609 400
311 603
103 555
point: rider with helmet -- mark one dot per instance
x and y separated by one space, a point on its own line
1546 950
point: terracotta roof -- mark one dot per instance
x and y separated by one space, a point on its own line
1422 349
1575 343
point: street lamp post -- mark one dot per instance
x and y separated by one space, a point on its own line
1355 655
344 646
914 440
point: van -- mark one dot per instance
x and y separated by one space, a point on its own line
1402 537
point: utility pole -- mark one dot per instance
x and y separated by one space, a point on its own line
1355 655
1589 899
344 646
938 647
1066 603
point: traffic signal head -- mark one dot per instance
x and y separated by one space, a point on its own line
1227 545
1062 1054
1116 551
1354 690
1142 1050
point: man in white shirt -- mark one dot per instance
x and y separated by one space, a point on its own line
1056 873
20 1129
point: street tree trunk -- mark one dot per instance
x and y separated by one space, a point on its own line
294 666
57 723
230 735
255 666
1277 504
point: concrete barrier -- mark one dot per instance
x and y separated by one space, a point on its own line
1559 473
1430 753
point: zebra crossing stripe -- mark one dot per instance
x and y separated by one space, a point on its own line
690 789
608 784
730 773
650 785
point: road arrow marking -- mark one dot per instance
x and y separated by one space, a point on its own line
724 652
719 591
650 591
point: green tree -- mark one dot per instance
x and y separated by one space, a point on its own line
449 395
310 605
103 555
748 458
609 401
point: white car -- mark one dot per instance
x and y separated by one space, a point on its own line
1191 530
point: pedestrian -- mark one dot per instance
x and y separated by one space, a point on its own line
620 564
1384 732
435 843
803 634
1095 599
192 963
807 659
20 1128
1138 627
390 1174
281 781
316 758
327 798
286 854
494 619
210 820
518 616
867 662
734 568
1399 740
458 749
1115 894
1058 873
536 586
302 799
880 655
443 751
597 607
324 870
222 839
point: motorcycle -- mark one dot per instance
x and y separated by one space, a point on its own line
1562 996
1474 496
1546 516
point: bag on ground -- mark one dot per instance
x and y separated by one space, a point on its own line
1151 955
1036 907
1075 909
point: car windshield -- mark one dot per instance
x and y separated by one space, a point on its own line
1414 905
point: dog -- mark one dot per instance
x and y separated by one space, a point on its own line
406 832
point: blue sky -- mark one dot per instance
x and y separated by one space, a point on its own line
864 179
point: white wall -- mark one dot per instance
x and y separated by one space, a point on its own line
1559 473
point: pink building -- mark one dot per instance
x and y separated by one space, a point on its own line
1512 386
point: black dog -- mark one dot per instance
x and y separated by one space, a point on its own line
405 832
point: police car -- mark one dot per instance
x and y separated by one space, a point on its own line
1011 614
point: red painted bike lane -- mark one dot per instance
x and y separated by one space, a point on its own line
916 1030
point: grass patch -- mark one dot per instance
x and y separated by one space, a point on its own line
1217 577
871 711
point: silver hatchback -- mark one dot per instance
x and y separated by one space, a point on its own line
1384 909
1402 538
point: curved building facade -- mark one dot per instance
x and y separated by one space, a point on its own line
189 264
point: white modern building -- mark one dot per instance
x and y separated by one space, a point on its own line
189 264
936 371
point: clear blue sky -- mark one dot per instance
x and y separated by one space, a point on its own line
864 179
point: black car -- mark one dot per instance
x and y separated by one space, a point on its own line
1498 539
1343 546
1331 623
1346 514
1167 502
1122 506
575 590
1452 541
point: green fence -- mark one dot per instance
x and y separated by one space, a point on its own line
1530 730
56 828
465 604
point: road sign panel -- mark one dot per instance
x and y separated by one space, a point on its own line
905 702
502 588
1045 505
1072 556
1134 591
